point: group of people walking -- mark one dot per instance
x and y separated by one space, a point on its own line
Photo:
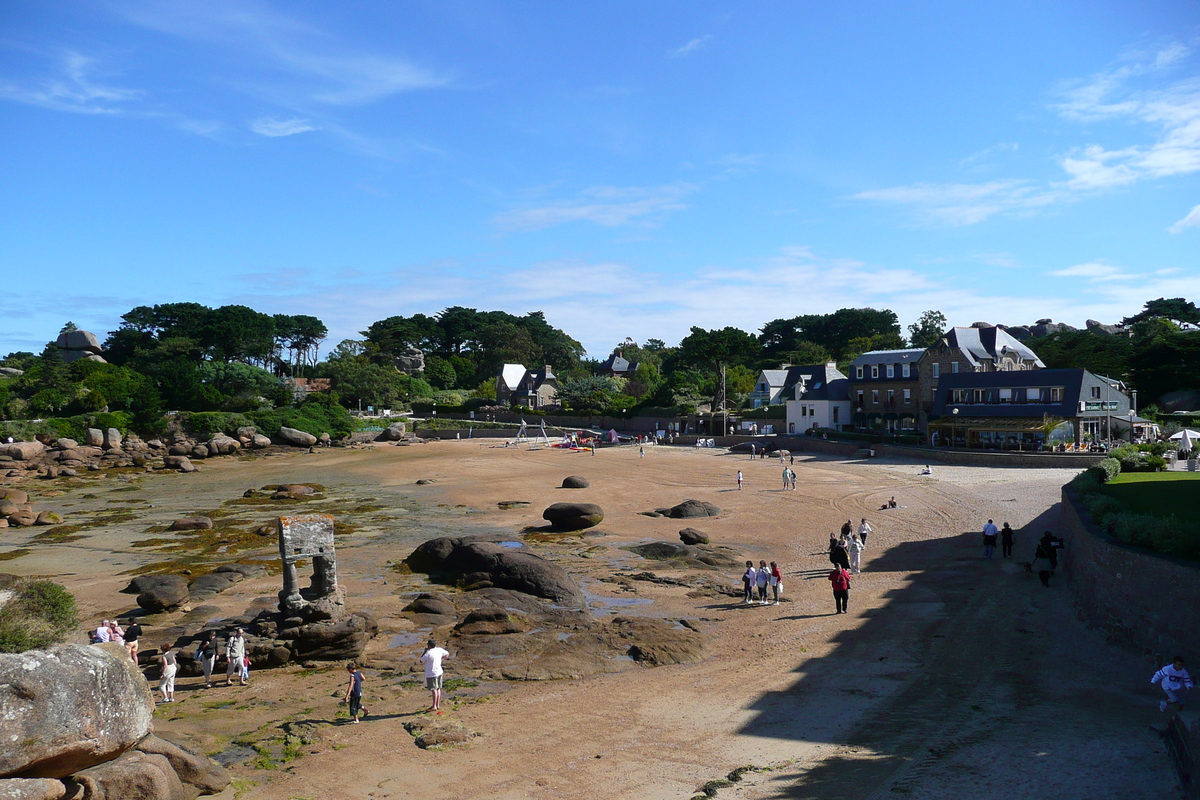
1045 556
757 580
846 548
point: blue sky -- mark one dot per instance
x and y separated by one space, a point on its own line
630 169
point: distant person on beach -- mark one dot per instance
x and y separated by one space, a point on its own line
787 479
102 634
776 582
739 479
855 547
1006 540
749 578
840 579
847 528
864 530
792 475
1052 545
927 470
990 532
206 654
132 634
166 683
432 660
1174 679
354 692
752 448
892 502
235 655
762 579
838 555
641 452
1042 565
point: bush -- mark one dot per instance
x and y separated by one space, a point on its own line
1105 469
24 430
1156 463
1086 483
39 614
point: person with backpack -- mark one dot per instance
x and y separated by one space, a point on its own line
840 579
354 692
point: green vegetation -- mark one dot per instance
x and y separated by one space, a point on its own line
1151 510
39 614
1170 494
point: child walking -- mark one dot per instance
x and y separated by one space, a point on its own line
1174 679
354 692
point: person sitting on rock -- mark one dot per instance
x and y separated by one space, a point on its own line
102 634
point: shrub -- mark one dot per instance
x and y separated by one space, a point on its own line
1156 463
1106 469
39 614
1086 483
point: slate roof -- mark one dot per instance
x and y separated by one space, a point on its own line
618 364
986 344
512 375
1071 380
909 356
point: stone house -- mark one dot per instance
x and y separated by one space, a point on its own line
1011 409
617 366
979 348
518 386
883 389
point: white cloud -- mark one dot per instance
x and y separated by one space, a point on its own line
692 46
1192 220
737 163
609 206
1094 271
1118 94
74 87
280 127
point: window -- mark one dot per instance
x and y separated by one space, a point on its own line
1006 395
891 371
904 370
1095 392
874 370
858 372
804 411
958 396
908 397
762 387
860 398
1056 394
891 397
937 370
835 413
875 396
954 367
977 395
1033 395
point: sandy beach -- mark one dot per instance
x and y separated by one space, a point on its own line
951 676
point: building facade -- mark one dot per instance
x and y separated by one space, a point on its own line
1027 409
821 400
518 386
883 389
964 350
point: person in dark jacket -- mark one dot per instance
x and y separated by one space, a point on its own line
1006 539
838 556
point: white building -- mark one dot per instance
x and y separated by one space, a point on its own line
820 400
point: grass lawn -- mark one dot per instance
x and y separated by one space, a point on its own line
1162 494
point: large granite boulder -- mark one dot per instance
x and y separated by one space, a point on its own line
449 559
160 592
17 496
393 433
297 438
192 767
432 603
573 516
191 524
344 639
223 445
22 451
32 789
64 443
112 439
258 441
79 340
410 361
693 536
133 776
95 437
575 482
1095 326
23 518
70 708
692 509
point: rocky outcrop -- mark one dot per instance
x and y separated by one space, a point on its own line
573 516
431 603
297 438
70 708
693 536
191 524
159 592
112 439
193 768
340 640
690 509
393 433
575 482
684 555
95 437
22 451
410 361
79 345
473 560
32 789
223 445
132 776
1099 327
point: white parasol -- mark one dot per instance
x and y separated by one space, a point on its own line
1194 435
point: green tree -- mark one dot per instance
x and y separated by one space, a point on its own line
591 394
1176 309
927 330
440 373
807 352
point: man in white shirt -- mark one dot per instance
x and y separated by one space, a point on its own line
235 654
432 660
103 634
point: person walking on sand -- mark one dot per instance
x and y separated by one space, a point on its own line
838 555
132 634
354 692
990 532
787 479
841 589
792 474
432 660
847 527
235 654
641 452
739 480
752 451
206 654
1174 679
1006 540
855 547
166 683
748 580
762 578
864 529
776 582
1042 565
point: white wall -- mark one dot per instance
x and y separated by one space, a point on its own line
820 412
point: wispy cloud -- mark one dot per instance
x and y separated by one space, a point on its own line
609 206
691 47
281 127
1192 220
737 163
1118 94
966 203
75 85
1094 271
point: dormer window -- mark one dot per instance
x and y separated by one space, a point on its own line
874 370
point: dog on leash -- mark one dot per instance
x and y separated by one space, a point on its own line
1028 565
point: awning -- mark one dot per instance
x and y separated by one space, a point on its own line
874 415
907 415
1030 424
890 415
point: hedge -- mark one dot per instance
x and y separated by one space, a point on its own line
25 430
1168 535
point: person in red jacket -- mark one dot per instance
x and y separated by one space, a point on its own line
840 579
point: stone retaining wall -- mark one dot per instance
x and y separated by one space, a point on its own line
1141 599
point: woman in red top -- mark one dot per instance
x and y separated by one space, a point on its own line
840 579
776 581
